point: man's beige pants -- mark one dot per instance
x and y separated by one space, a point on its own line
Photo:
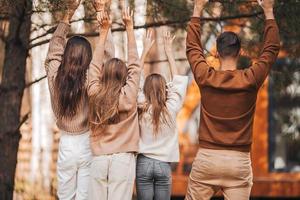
112 177
225 170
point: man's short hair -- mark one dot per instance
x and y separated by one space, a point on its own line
228 44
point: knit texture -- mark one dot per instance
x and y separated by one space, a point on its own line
228 98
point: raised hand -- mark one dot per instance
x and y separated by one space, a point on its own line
168 42
267 6
127 17
198 7
104 21
148 41
72 5
99 5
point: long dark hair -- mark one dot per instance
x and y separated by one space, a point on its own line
104 104
155 91
70 86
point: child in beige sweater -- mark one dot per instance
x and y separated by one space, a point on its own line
113 89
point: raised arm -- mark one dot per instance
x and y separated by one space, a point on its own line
194 49
148 44
271 45
109 49
58 40
130 90
168 41
98 56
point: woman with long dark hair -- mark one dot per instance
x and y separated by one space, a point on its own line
159 103
113 90
66 66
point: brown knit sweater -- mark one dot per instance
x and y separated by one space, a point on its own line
78 124
229 97
123 136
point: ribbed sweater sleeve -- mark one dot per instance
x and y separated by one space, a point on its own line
131 88
103 52
56 49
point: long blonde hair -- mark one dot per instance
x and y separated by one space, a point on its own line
155 92
104 103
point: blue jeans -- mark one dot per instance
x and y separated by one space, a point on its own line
153 179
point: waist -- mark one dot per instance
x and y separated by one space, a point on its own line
220 146
224 152
115 142
85 133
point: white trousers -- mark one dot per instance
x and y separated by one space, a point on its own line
73 166
112 177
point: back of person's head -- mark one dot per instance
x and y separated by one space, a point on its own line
105 102
70 82
155 91
228 45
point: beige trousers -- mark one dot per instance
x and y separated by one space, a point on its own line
73 166
220 170
112 177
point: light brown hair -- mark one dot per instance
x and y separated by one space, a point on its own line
155 91
104 103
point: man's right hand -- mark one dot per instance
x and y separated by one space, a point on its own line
267 6
198 7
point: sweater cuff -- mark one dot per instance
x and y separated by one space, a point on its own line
62 29
270 21
195 20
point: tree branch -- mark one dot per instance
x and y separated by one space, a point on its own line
35 81
165 60
23 120
155 24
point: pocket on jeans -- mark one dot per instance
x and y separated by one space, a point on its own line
99 168
166 169
123 167
203 169
244 171
66 157
142 169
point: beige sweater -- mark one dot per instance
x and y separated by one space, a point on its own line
123 136
79 123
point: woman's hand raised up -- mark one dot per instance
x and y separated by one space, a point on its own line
127 17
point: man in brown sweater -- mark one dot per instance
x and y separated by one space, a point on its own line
227 109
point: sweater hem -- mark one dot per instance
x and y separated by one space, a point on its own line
212 145
159 159
102 152
73 131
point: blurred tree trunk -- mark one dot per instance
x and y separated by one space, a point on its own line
11 92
